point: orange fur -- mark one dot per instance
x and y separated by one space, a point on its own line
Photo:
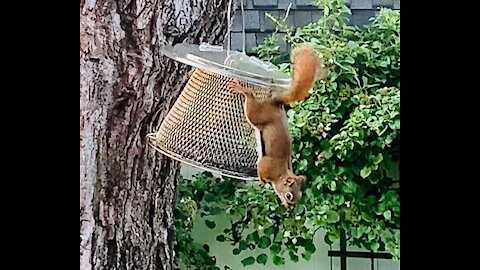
307 68
268 116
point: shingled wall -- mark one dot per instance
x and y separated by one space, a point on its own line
302 12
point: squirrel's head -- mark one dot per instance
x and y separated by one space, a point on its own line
289 190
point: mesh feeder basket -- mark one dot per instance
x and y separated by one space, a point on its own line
207 127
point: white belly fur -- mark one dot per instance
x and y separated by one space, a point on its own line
258 136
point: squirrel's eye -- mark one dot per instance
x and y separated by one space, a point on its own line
289 196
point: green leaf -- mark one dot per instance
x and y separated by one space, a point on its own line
300 209
378 159
332 237
356 233
375 246
371 199
332 216
262 258
365 172
332 186
307 255
236 251
275 248
302 165
279 236
243 245
333 86
210 224
221 238
309 246
349 187
352 44
364 80
350 60
388 139
277 260
367 217
328 153
387 214
207 174
215 211
340 199
264 242
253 237
365 229
376 44
396 124
326 10
386 234
310 224
209 197
300 124
269 231
327 240
293 256
317 180
248 261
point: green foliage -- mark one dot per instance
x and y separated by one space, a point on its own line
248 261
188 252
262 258
206 196
346 139
269 50
347 133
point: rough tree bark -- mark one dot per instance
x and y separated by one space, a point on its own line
126 88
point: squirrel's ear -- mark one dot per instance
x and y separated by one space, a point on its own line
288 181
300 179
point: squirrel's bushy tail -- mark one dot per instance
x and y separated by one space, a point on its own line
307 68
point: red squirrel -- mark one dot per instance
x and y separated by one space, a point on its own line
269 120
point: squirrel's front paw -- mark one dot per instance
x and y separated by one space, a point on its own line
235 87
261 184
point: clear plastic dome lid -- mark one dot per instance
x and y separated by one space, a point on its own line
232 64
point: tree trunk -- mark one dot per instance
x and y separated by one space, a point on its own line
126 88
